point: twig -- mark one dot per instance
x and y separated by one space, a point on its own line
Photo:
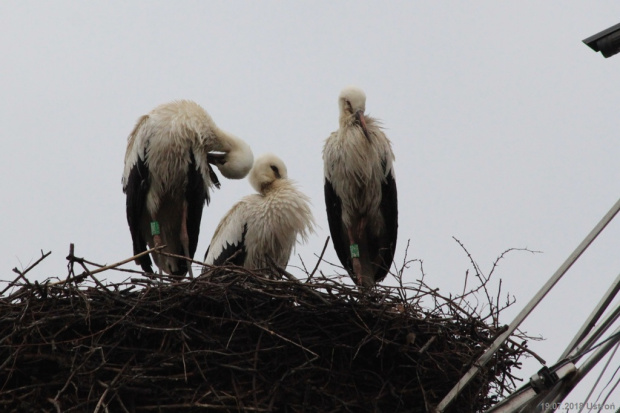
427 345
107 267
183 257
319 260
292 278
112 384
23 273
43 256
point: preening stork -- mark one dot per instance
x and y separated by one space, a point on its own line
168 176
263 225
360 192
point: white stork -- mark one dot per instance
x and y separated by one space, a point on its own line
263 225
360 192
167 178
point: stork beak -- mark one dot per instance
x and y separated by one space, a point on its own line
359 115
216 158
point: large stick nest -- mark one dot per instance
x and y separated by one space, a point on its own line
239 340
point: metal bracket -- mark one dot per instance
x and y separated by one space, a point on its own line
544 379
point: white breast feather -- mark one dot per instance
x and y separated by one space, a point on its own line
275 222
281 216
353 165
164 138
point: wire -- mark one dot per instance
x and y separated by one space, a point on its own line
584 352
612 389
598 379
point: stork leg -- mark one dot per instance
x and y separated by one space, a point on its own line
185 239
355 234
355 259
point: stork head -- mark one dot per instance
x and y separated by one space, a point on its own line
267 169
236 162
352 103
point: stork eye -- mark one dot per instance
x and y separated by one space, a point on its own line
275 170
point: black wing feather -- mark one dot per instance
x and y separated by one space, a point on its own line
196 196
232 253
136 189
333 206
389 210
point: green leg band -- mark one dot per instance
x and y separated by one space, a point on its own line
355 251
155 228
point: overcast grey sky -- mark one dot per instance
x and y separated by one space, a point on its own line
504 125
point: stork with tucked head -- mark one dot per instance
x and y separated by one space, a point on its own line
263 225
360 192
168 176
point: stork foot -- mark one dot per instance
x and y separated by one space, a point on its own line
157 240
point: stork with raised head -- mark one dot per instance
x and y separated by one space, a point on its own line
263 225
360 192
168 176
